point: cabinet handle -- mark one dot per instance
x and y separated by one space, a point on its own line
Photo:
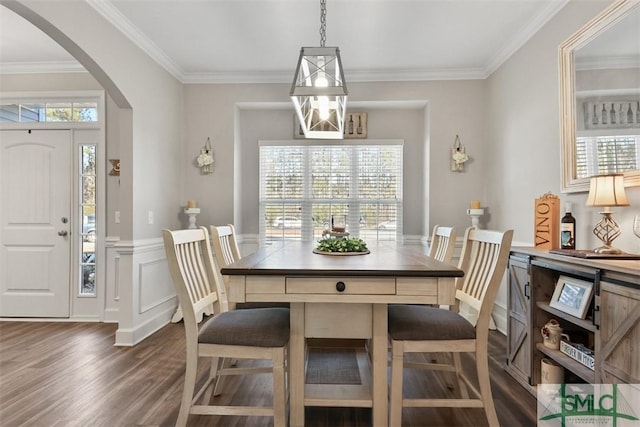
596 316
527 291
340 286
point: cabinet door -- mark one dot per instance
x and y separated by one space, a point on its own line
617 358
518 321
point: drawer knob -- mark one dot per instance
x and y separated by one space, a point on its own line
340 286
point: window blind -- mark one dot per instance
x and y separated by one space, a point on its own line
302 186
599 155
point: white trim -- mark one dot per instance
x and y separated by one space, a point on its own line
41 67
321 142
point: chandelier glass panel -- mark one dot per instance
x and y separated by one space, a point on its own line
319 92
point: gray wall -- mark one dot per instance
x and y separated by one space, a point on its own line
427 115
524 136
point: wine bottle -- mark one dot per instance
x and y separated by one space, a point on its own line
638 112
568 229
359 129
594 120
350 124
612 115
603 115
629 115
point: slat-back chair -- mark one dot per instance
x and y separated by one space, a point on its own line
226 251
239 334
443 243
423 329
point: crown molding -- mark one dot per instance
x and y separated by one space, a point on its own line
118 20
41 67
528 31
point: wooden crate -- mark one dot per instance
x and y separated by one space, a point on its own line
546 225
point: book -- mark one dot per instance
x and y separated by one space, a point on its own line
578 352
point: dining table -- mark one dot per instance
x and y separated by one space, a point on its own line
339 296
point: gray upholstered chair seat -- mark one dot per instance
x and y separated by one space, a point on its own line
423 323
260 327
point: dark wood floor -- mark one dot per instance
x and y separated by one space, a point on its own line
71 374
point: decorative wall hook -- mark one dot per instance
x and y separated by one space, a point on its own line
458 156
205 159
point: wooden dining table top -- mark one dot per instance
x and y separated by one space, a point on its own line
296 258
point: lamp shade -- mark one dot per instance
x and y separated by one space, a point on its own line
607 190
319 93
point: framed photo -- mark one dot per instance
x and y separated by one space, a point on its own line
572 296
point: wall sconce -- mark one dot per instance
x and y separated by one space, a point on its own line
205 159
458 156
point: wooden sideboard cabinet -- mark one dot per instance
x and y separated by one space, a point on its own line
611 327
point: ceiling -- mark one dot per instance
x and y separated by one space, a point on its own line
220 41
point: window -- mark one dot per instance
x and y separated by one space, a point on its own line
49 112
302 186
599 155
88 219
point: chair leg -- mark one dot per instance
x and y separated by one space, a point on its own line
461 384
279 388
214 378
482 366
397 367
189 388
220 364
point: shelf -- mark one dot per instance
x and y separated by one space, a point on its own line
574 366
585 324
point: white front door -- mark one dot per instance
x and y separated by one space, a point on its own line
35 222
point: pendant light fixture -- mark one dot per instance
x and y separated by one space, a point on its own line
319 92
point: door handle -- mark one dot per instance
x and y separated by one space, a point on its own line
63 233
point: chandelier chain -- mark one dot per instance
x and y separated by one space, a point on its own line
323 22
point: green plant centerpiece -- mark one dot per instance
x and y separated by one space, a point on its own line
341 246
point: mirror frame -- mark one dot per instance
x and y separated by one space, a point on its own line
602 22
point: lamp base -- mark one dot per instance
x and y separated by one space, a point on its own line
606 249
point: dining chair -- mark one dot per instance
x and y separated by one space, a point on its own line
226 251
239 334
443 243
424 329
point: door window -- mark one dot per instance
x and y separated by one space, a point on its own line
88 220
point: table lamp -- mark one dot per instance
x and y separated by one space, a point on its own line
607 191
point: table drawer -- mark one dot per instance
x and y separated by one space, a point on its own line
337 285
418 286
265 285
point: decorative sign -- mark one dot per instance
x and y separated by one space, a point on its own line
547 222
115 167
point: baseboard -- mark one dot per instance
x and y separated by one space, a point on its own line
131 337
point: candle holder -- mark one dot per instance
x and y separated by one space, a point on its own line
192 213
475 215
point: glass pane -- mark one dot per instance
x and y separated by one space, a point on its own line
283 222
88 229
89 159
88 283
9 113
59 112
89 190
32 113
85 112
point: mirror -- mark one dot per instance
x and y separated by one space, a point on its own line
600 98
